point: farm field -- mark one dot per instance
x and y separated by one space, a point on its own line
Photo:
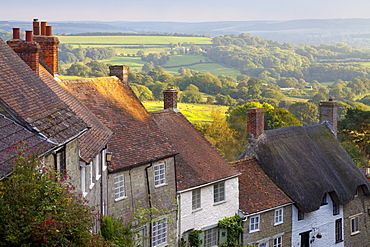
131 40
193 112
130 45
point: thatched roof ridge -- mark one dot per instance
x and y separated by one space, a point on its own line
307 162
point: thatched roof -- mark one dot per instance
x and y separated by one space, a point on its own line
307 162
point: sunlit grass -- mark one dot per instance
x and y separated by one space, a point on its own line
193 112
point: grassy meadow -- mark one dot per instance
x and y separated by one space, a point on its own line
193 112
127 46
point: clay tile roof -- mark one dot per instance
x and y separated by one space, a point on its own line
91 142
307 162
30 102
10 135
257 192
137 139
198 162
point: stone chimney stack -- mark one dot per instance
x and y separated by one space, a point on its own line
49 46
27 49
121 71
329 112
255 122
170 98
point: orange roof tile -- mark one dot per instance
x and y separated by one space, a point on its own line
198 162
137 139
257 192
97 136
30 102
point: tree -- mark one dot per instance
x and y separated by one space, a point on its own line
191 95
148 67
78 69
38 206
98 69
142 92
306 112
355 128
317 98
279 118
219 133
157 90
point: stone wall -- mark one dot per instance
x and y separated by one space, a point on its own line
268 230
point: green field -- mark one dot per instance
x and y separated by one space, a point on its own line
131 40
125 45
193 112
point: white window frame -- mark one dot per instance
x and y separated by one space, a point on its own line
97 167
159 232
355 224
211 237
278 242
119 187
83 178
219 193
254 223
196 199
91 172
278 216
159 174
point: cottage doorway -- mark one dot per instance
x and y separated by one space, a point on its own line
305 239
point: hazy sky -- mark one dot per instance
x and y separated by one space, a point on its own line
181 10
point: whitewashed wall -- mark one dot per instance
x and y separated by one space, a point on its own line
210 213
322 221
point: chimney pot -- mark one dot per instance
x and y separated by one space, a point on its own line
255 122
16 33
29 36
170 98
49 31
36 27
43 27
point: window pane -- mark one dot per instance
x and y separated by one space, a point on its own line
119 187
159 232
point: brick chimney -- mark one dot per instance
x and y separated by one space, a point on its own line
255 122
27 49
170 98
49 45
329 112
121 71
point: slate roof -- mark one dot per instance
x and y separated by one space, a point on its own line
137 139
307 162
198 162
91 142
10 135
257 192
30 102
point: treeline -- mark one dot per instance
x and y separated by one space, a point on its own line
134 34
271 60
68 54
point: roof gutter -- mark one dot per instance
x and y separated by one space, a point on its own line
263 211
65 142
207 184
142 163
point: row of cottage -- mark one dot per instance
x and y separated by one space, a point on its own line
293 186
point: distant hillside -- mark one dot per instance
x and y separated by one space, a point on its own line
355 32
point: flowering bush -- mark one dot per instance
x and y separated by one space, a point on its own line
39 207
